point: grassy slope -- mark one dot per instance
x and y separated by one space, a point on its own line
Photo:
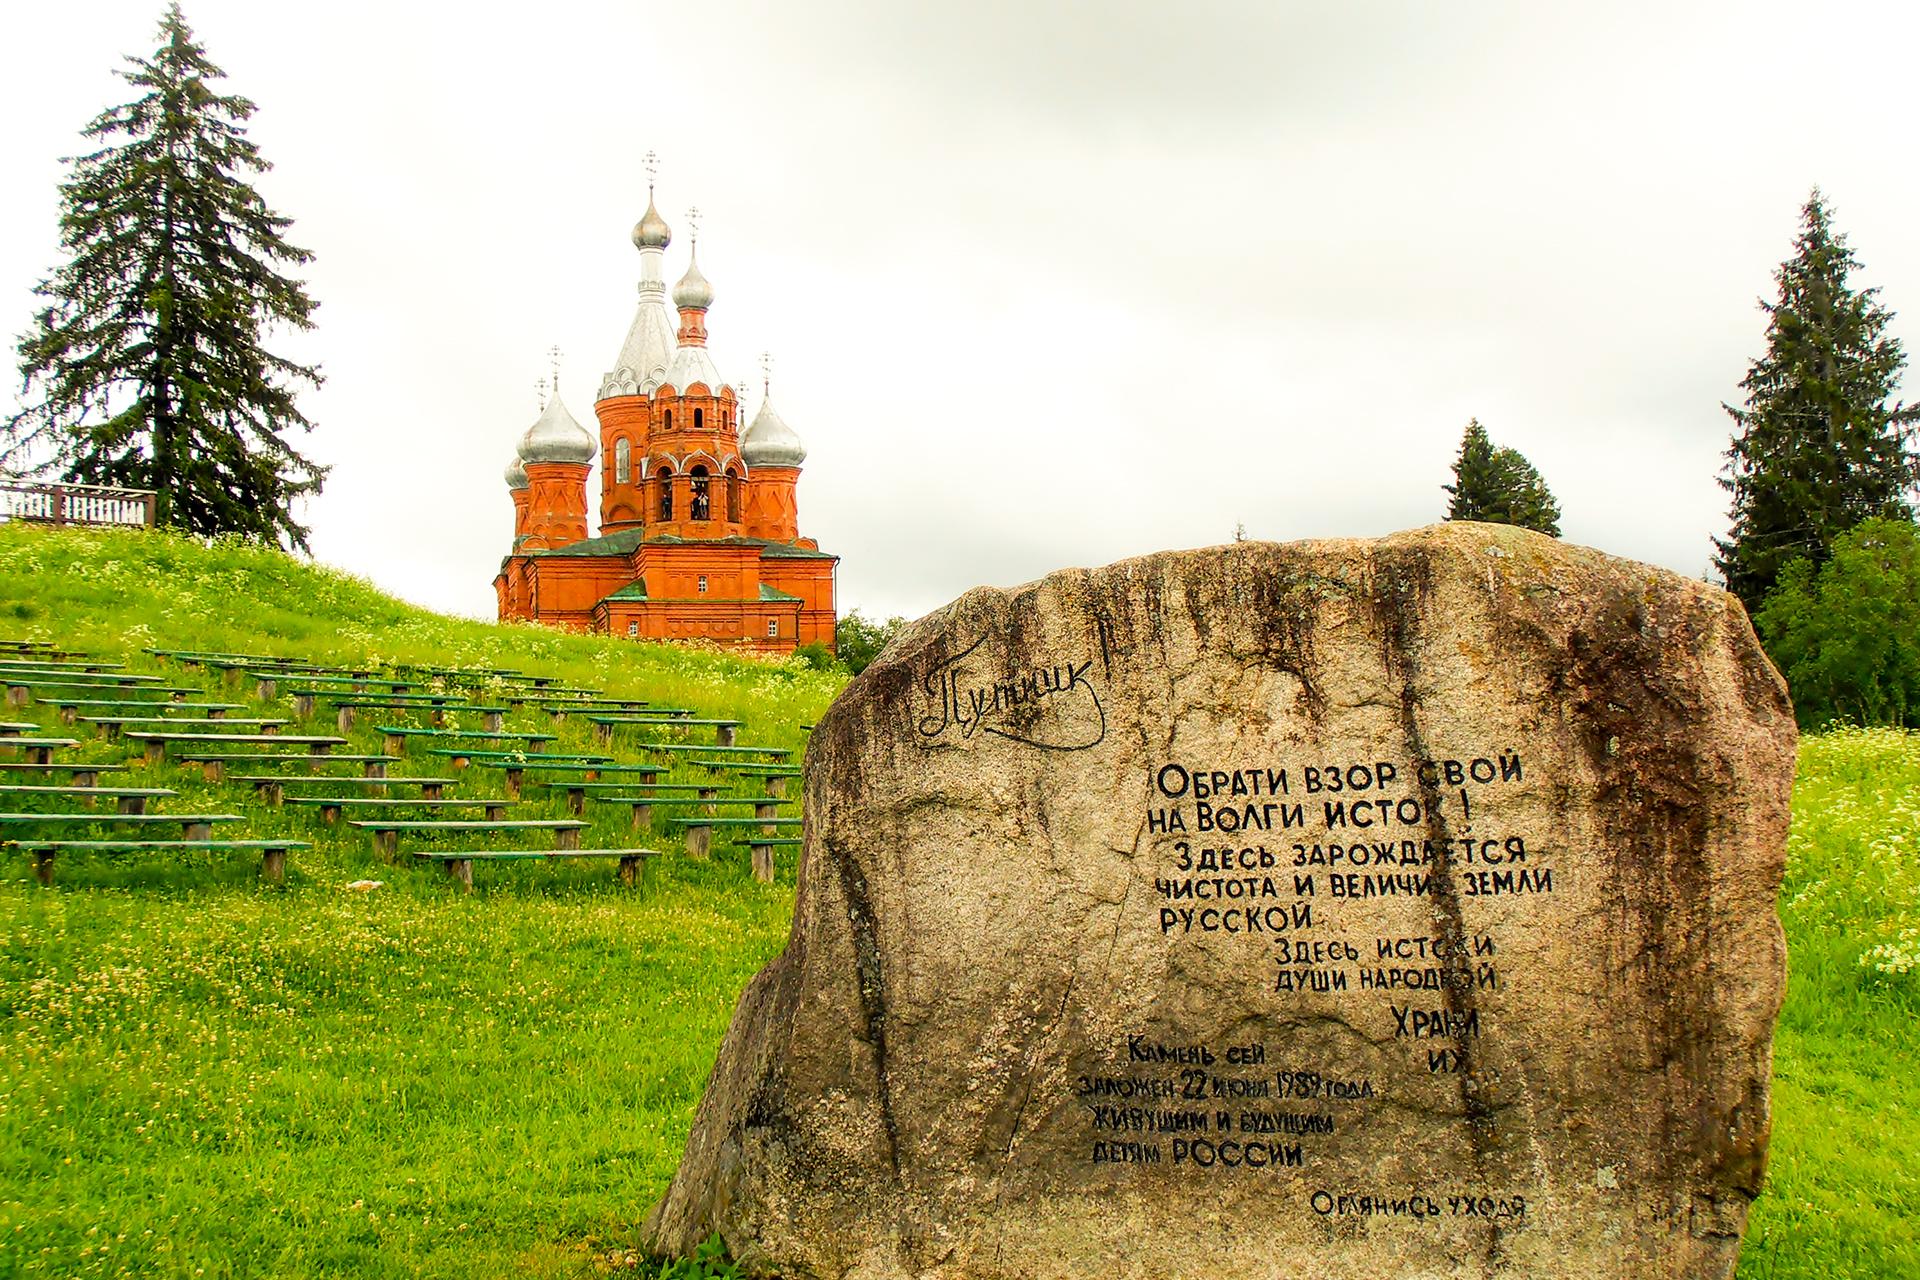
200 1076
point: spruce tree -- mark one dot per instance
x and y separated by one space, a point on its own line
146 369
1820 444
1497 484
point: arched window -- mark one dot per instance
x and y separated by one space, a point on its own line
622 462
666 493
733 496
699 504
668 424
699 419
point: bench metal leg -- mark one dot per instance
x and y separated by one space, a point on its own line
763 863
273 864
43 865
566 838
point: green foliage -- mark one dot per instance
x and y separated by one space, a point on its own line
1820 445
147 358
1847 635
1498 485
859 639
815 656
709 1262
1843 1191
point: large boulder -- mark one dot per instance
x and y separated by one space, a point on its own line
1346 909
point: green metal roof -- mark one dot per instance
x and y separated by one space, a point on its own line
769 593
635 590
627 541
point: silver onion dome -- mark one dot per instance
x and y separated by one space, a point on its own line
651 231
517 474
556 437
693 293
770 442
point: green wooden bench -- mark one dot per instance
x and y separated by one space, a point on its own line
214 763
81 774
38 750
491 716
271 787
684 748
514 764
114 726
14 728
46 663
604 725
762 847
699 830
193 826
127 799
772 776
396 735
311 691
157 743
643 806
576 789
273 859
386 831
331 806
20 692
71 708
459 863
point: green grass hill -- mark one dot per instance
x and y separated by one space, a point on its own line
206 1074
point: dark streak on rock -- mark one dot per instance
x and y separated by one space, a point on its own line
873 987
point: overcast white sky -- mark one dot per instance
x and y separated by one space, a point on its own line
1046 284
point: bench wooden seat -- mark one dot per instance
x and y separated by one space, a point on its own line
331 807
21 692
772 776
397 735
115 726
14 728
70 708
39 750
491 717
157 743
577 789
699 830
514 764
761 850
586 764
214 763
193 826
604 725
39 663
81 773
459 862
386 831
129 799
642 806
272 786
273 853
779 753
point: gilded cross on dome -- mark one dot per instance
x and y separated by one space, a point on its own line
766 371
693 222
651 163
553 355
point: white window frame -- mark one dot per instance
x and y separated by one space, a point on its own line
703 584
633 626
773 628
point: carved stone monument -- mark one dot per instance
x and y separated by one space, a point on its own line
1346 910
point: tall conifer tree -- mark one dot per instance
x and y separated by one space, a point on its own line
1820 444
1497 484
146 365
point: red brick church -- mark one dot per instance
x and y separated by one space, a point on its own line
699 533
